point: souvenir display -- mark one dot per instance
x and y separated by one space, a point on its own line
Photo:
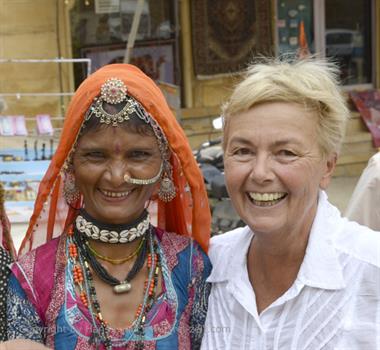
21 180
26 157
6 126
35 150
43 149
44 125
20 174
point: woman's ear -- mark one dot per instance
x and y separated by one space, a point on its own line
329 167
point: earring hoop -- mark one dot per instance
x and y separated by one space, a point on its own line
167 190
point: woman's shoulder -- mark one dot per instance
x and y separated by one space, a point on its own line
47 251
176 243
229 241
359 242
172 240
353 242
34 266
180 250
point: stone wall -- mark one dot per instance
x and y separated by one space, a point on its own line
34 29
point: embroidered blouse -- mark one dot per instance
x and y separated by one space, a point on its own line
334 303
43 305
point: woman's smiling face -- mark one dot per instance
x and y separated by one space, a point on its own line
274 167
102 157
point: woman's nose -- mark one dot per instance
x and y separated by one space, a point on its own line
261 171
116 171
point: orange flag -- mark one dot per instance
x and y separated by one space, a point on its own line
303 46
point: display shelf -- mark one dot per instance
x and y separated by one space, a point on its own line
21 180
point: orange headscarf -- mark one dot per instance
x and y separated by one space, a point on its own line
187 214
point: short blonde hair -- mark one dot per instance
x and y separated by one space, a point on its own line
312 83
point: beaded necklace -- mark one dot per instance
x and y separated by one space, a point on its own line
118 286
83 279
115 261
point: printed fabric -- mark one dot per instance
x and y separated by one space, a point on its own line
44 306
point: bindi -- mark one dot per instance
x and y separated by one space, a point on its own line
117 148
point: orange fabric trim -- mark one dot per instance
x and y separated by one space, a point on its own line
53 209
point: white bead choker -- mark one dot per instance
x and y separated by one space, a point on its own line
94 230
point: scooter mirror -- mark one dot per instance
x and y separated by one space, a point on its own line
217 123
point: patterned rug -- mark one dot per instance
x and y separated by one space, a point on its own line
368 104
227 33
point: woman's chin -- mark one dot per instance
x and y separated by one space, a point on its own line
266 226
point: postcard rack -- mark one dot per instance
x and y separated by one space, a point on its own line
19 95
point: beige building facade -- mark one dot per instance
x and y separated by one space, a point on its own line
51 29
34 30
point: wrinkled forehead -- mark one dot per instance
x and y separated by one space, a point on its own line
118 140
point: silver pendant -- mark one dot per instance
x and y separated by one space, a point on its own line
123 287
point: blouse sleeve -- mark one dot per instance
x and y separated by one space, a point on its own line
5 260
23 320
202 270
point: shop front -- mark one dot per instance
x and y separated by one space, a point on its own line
200 45
101 30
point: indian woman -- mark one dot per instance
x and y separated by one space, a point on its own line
114 256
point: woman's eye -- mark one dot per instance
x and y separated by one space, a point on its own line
95 155
287 153
242 151
139 154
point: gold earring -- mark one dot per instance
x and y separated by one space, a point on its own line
167 190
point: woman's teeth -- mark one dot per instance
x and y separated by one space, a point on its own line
266 199
116 194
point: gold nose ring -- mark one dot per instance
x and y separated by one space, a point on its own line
150 181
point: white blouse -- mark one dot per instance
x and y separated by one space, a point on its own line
334 303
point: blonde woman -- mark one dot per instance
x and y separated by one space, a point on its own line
298 276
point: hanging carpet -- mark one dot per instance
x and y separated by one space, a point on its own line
227 33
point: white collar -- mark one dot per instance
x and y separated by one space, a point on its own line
320 267
228 254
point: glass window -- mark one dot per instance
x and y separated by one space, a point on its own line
91 28
348 38
102 36
294 26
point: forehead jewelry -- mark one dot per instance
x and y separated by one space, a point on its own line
150 181
113 92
